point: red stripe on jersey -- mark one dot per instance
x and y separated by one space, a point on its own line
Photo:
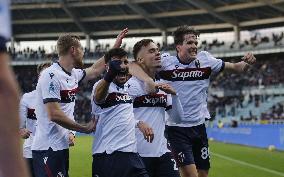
151 100
68 96
115 99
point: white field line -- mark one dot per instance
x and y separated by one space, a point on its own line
247 164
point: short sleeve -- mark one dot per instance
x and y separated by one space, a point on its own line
23 112
93 104
49 87
217 65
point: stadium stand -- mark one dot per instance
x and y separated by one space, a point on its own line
253 97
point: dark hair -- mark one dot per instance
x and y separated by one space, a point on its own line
116 52
66 41
42 66
179 33
137 47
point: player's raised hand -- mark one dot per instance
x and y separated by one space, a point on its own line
120 37
25 133
146 130
167 88
113 71
249 58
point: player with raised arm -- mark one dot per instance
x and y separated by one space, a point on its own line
114 146
188 73
56 92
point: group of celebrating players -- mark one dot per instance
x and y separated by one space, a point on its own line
148 115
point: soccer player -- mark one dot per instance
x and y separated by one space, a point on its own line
189 72
11 163
28 120
114 147
150 108
56 92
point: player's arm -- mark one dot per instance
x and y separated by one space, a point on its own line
242 66
137 71
101 90
174 107
24 133
98 68
56 115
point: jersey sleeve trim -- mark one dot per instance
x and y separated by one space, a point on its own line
222 67
49 100
84 75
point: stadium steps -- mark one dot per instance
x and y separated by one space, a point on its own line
256 111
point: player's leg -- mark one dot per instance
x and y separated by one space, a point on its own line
126 164
150 164
203 173
201 151
50 163
166 166
180 144
30 166
188 171
99 166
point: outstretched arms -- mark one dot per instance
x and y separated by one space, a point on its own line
242 66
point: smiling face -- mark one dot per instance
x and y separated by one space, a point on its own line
150 56
187 51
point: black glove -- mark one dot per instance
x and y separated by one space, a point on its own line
3 44
113 71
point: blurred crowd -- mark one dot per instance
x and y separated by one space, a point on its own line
99 49
267 72
276 112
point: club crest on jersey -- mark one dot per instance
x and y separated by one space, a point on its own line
122 87
197 64
51 87
51 75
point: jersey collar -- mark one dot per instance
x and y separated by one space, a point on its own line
184 62
63 69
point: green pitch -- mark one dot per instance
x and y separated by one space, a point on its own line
226 160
